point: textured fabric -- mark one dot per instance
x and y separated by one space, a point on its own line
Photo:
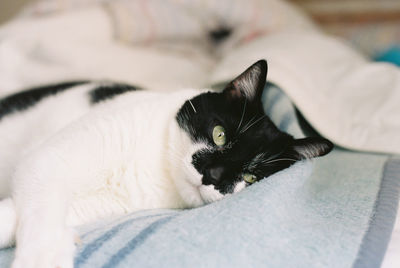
281 111
374 245
292 219
284 221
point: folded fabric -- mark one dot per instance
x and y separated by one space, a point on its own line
347 99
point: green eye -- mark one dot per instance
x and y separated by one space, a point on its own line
249 178
219 135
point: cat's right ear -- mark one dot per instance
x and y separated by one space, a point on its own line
248 85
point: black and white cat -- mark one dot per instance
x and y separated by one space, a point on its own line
76 152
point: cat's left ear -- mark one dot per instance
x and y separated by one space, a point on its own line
250 84
308 148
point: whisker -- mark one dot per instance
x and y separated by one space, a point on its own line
280 159
258 120
194 109
272 157
249 122
241 119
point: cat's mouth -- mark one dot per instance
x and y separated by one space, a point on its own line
207 193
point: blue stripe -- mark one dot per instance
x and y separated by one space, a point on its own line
271 101
135 242
100 241
286 120
377 237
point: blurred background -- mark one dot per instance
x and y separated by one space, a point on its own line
8 8
372 26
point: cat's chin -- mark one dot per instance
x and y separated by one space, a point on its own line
201 194
195 195
209 194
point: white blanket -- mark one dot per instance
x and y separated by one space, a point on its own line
353 102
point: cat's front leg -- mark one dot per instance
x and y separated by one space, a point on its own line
41 194
75 160
54 249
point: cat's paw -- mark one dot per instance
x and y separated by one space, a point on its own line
57 254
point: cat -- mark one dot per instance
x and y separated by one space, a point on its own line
76 152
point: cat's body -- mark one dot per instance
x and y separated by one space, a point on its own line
78 156
111 130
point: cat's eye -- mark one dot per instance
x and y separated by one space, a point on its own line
250 178
218 135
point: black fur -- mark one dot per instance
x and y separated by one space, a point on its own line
28 98
254 144
106 92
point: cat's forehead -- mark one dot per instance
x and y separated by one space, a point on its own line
240 119
213 107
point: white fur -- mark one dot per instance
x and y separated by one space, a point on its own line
20 132
70 164
239 186
209 193
8 222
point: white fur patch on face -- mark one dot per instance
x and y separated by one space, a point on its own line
239 186
193 175
186 178
209 194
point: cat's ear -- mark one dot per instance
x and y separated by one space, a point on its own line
308 148
250 84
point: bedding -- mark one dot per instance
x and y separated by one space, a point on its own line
337 212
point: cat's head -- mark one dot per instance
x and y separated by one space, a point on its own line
231 141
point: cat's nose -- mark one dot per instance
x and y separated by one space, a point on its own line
215 173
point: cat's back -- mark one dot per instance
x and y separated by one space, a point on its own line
31 116
40 111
